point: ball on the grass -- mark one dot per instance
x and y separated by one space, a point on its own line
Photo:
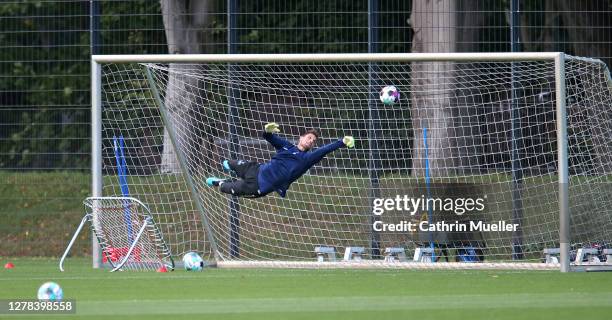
193 262
389 95
50 291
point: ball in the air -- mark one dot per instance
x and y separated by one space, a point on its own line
193 262
50 291
389 95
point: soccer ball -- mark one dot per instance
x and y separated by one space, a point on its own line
389 95
50 291
193 262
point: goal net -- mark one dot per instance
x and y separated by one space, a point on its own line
127 234
476 141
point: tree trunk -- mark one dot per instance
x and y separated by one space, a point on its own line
434 23
440 102
184 21
443 103
585 22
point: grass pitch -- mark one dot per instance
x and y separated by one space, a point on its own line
310 294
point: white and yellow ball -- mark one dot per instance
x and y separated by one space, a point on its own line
193 262
389 95
50 291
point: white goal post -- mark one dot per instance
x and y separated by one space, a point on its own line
495 120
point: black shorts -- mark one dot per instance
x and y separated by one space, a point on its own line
247 185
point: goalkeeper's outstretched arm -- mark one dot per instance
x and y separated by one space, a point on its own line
269 134
317 155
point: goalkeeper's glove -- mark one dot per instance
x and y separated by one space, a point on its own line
272 127
349 141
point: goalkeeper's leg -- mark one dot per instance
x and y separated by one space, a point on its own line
240 167
247 186
240 188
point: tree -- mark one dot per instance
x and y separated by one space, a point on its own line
434 24
578 28
184 23
440 106
444 26
45 63
584 22
41 100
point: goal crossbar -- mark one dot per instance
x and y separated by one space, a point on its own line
329 57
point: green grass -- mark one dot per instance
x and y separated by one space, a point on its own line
39 211
309 294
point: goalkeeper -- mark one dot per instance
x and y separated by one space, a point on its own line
288 164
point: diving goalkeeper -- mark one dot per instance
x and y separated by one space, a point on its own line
288 164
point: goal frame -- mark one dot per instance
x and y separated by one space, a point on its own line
561 117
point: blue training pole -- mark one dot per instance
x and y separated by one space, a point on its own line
118 144
427 185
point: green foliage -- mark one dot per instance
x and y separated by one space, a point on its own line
132 27
44 103
320 26
46 86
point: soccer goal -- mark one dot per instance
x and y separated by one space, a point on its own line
488 160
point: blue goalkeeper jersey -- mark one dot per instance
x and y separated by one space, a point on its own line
288 164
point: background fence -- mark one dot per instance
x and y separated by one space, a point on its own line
44 70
